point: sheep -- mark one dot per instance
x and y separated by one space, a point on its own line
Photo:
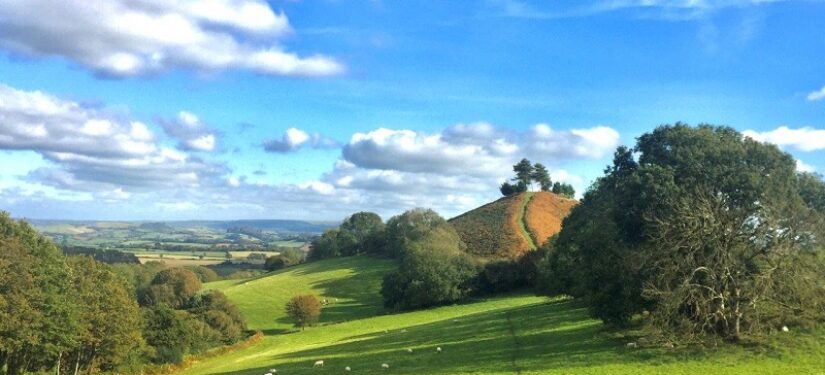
403 331
318 364
347 368
409 350
274 371
385 366
785 329
632 345
385 331
438 349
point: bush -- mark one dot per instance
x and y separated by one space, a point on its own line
204 274
173 287
304 310
428 278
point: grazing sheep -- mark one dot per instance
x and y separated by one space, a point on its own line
785 329
409 350
347 368
438 349
632 345
384 365
403 331
669 345
274 371
318 364
268 373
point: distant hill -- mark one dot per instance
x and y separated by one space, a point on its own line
280 226
512 225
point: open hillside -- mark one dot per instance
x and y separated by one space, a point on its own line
516 334
512 225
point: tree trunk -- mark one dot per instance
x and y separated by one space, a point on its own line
59 357
77 363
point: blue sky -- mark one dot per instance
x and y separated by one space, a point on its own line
228 109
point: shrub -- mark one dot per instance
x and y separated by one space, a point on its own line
304 310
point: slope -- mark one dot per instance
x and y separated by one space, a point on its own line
503 335
494 229
512 225
354 281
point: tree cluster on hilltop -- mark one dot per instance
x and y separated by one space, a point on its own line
709 233
76 314
527 174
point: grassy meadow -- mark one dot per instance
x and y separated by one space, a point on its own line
514 334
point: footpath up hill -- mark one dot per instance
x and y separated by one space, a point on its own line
512 225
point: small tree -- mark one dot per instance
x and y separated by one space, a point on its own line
304 310
524 172
542 177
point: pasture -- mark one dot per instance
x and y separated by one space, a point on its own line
515 334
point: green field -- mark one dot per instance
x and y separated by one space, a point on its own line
517 334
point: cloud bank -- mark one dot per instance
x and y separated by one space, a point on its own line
125 38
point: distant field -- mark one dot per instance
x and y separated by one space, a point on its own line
518 334
178 262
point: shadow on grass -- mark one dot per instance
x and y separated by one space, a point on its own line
555 335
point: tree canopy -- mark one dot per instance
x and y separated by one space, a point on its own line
712 232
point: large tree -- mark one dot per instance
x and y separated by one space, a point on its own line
708 230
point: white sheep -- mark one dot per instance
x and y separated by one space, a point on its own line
632 345
403 331
347 368
409 350
318 364
274 371
785 329
384 365
268 373
438 349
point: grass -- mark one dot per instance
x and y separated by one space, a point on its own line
516 334
521 219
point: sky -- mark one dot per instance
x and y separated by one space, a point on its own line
313 110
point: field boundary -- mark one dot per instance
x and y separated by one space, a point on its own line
521 220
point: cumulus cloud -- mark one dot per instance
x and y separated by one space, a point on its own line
802 139
124 38
476 149
817 95
192 134
89 149
294 139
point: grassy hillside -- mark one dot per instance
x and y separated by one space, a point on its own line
516 334
545 214
512 225
354 281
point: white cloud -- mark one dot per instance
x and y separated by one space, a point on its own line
590 143
817 95
802 167
192 134
89 149
139 37
293 139
802 139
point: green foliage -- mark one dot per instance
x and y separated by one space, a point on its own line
524 172
304 310
167 332
542 176
360 233
287 258
434 269
710 231
204 274
172 286
109 318
39 319
563 189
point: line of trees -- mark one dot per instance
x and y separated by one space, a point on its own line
709 233
528 174
75 314
434 267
